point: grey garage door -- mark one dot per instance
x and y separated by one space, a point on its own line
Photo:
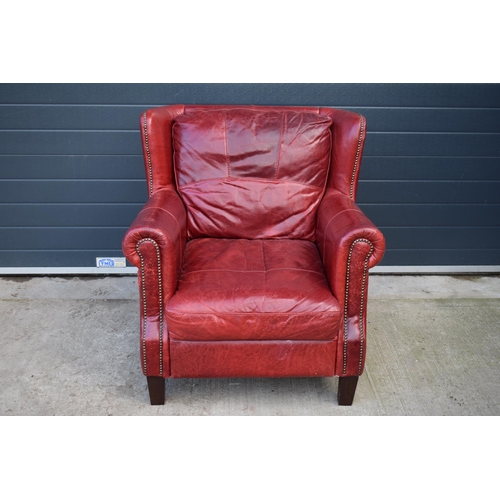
72 180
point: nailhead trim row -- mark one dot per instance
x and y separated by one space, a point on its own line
361 310
144 307
144 302
362 304
356 160
148 154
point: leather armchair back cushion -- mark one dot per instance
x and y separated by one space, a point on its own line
251 174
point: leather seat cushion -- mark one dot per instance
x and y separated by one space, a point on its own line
252 290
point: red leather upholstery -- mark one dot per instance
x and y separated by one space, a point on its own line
253 256
156 127
252 290
251 174
155 244
265 358
349 133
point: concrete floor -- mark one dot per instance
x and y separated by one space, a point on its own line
69 346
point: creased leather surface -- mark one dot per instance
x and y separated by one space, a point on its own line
157 146
292 358
349 244
253 290
349 133
163 219
340 222
251 174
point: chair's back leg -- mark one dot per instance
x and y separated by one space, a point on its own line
156 386
346 391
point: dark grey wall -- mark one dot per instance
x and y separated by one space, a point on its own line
72 178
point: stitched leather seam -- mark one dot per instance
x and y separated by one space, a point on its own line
144 301
174 154
176 338
193 243
252 342
346 300
254 179
263 256
325 185
279 143
225 142
326 228
148 154
182 313
255 271
356 160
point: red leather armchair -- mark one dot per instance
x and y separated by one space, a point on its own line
253 257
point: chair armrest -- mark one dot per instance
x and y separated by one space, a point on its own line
340 224
156 239
155 244
349 244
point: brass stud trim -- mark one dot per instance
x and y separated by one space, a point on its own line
144 310
148 153
362 304
144 301
356 159
362 333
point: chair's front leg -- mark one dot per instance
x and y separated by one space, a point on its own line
156 386
346 390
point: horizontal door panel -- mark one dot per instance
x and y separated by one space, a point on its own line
77 191
72 167
70 143
429 169
432 215
68 215
291 94
50 238
431 144
430 119
453 257
70 117
460 192
429 238
127 117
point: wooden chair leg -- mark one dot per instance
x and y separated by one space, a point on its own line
346 391
156 386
